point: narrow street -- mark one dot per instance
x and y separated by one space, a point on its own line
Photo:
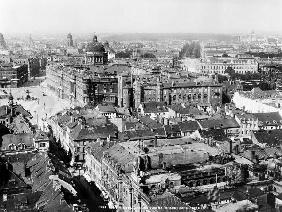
89 193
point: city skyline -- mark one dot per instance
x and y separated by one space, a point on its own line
157 16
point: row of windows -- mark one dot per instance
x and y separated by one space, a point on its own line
20 146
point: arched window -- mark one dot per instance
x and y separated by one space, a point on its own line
189 97
12 147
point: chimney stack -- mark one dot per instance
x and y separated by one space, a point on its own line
230 146
155 141
253 155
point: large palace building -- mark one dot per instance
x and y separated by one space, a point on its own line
201 93
82 85
95 53
240 64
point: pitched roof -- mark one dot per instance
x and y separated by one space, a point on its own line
122 156
219 124
216 134
16 139
154 107
95 132
168 200
152 124
270 138
106 108
190 110
140 134
172 129
269 119
97 149
189 126
40 135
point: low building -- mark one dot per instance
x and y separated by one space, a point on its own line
230 126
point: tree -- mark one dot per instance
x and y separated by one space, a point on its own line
148 55
191 50
124 54
231 72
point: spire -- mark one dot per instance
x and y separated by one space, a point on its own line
11 99
95 39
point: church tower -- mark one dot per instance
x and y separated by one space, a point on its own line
95 39
70 41
11 104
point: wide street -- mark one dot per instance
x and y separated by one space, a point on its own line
42 104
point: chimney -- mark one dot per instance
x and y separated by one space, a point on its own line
5 197
230 146
253 155
155 141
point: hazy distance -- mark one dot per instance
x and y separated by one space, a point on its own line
144 16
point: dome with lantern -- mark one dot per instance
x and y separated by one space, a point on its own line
95 46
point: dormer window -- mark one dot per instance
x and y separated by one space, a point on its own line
12 147
21 146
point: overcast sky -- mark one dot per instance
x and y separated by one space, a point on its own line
118 16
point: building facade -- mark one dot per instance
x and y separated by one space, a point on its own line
13 76
80 85
219 65
175 93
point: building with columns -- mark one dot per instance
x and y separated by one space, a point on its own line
95 53
218 65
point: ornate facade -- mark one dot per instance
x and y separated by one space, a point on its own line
81 85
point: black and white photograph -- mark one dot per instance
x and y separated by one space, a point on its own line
140 105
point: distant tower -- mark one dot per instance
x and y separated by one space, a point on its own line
30 41
3 44
11 100
70 41
137 93
95 39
